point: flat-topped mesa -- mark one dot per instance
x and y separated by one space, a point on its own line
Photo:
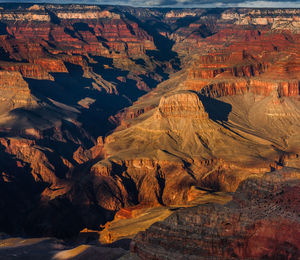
181 104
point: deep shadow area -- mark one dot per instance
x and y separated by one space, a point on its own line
183 22
111 74
214 11
80 26
161 180
217 110
4 56
24 213
69 88
3 30
63 218
18 191
53 17
203 31
122 243
164 45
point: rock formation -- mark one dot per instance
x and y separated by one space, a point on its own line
262 221
200 127
15 91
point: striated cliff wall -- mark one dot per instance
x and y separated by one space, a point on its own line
260 222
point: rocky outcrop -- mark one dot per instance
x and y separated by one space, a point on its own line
89 13
81 155
28 70
38 15
27 152
51 65
260 222
223 74
185 104
15 91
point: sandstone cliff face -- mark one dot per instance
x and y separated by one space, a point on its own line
260 222
15 91
215 76
28 70
181 105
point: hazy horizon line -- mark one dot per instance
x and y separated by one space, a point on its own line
240 5
254 4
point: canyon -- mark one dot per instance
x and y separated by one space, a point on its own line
112 112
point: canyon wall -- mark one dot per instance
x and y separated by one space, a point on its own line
110 107
260 222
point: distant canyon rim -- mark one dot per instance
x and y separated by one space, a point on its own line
109 108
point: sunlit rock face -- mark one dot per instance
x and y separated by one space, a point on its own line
186 104
110 107
262 221
15 92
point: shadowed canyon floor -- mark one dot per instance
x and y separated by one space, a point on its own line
113 117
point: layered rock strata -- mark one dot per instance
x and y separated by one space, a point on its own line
262 221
